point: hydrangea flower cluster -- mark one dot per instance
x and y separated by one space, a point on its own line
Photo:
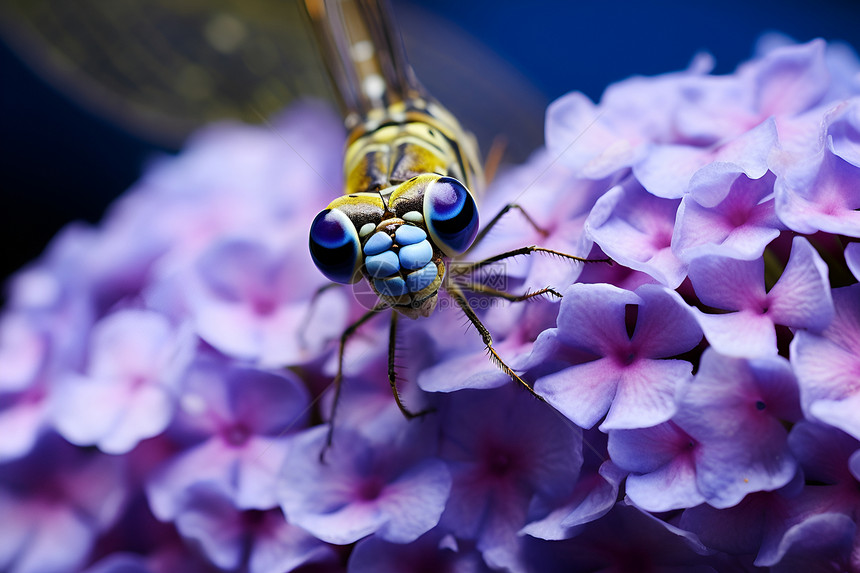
165 378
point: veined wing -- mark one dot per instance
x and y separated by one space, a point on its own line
161 68
164 67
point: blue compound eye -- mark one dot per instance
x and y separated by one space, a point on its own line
451 215
335 247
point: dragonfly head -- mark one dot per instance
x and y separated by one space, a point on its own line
398 238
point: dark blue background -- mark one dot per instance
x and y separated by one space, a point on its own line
59 162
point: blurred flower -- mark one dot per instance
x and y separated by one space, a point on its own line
238 422
135 365
431 552
502 461
398 493
229 536
165 376
55 503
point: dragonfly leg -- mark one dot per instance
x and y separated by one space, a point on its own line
504 211
461 301
392 374
338 378
302 334
462 269
490 291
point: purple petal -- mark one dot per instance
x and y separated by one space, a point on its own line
249 472
625 536
746 156
245 302
235 402
790 79
21 425
595 494
635 229
280 546
740 226
588 145
820 194
415 501
55 503
666 170
499 461
727 283
591 317
22 352
268 403
852 258
744 334
755 525
665 326
57 529
716 108
646 394
583 393
207 462
844 130
735 409
827 364
670 171
16 528
473 370
254 479
549 354
208 518
670 487
821 543
841 414
120 423
135 366
663 465
229 536
356 493
801 296
428 553
645 450
121 563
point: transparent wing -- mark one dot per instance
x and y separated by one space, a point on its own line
161 68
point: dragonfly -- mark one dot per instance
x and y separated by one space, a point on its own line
411 175
145 74
162 68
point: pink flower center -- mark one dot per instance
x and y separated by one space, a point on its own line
370 489
263 306
237 434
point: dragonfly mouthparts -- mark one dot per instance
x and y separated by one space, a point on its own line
404 267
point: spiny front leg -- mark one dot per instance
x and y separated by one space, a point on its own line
466 268
490 291
460 299
504 211
338 377
392 374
